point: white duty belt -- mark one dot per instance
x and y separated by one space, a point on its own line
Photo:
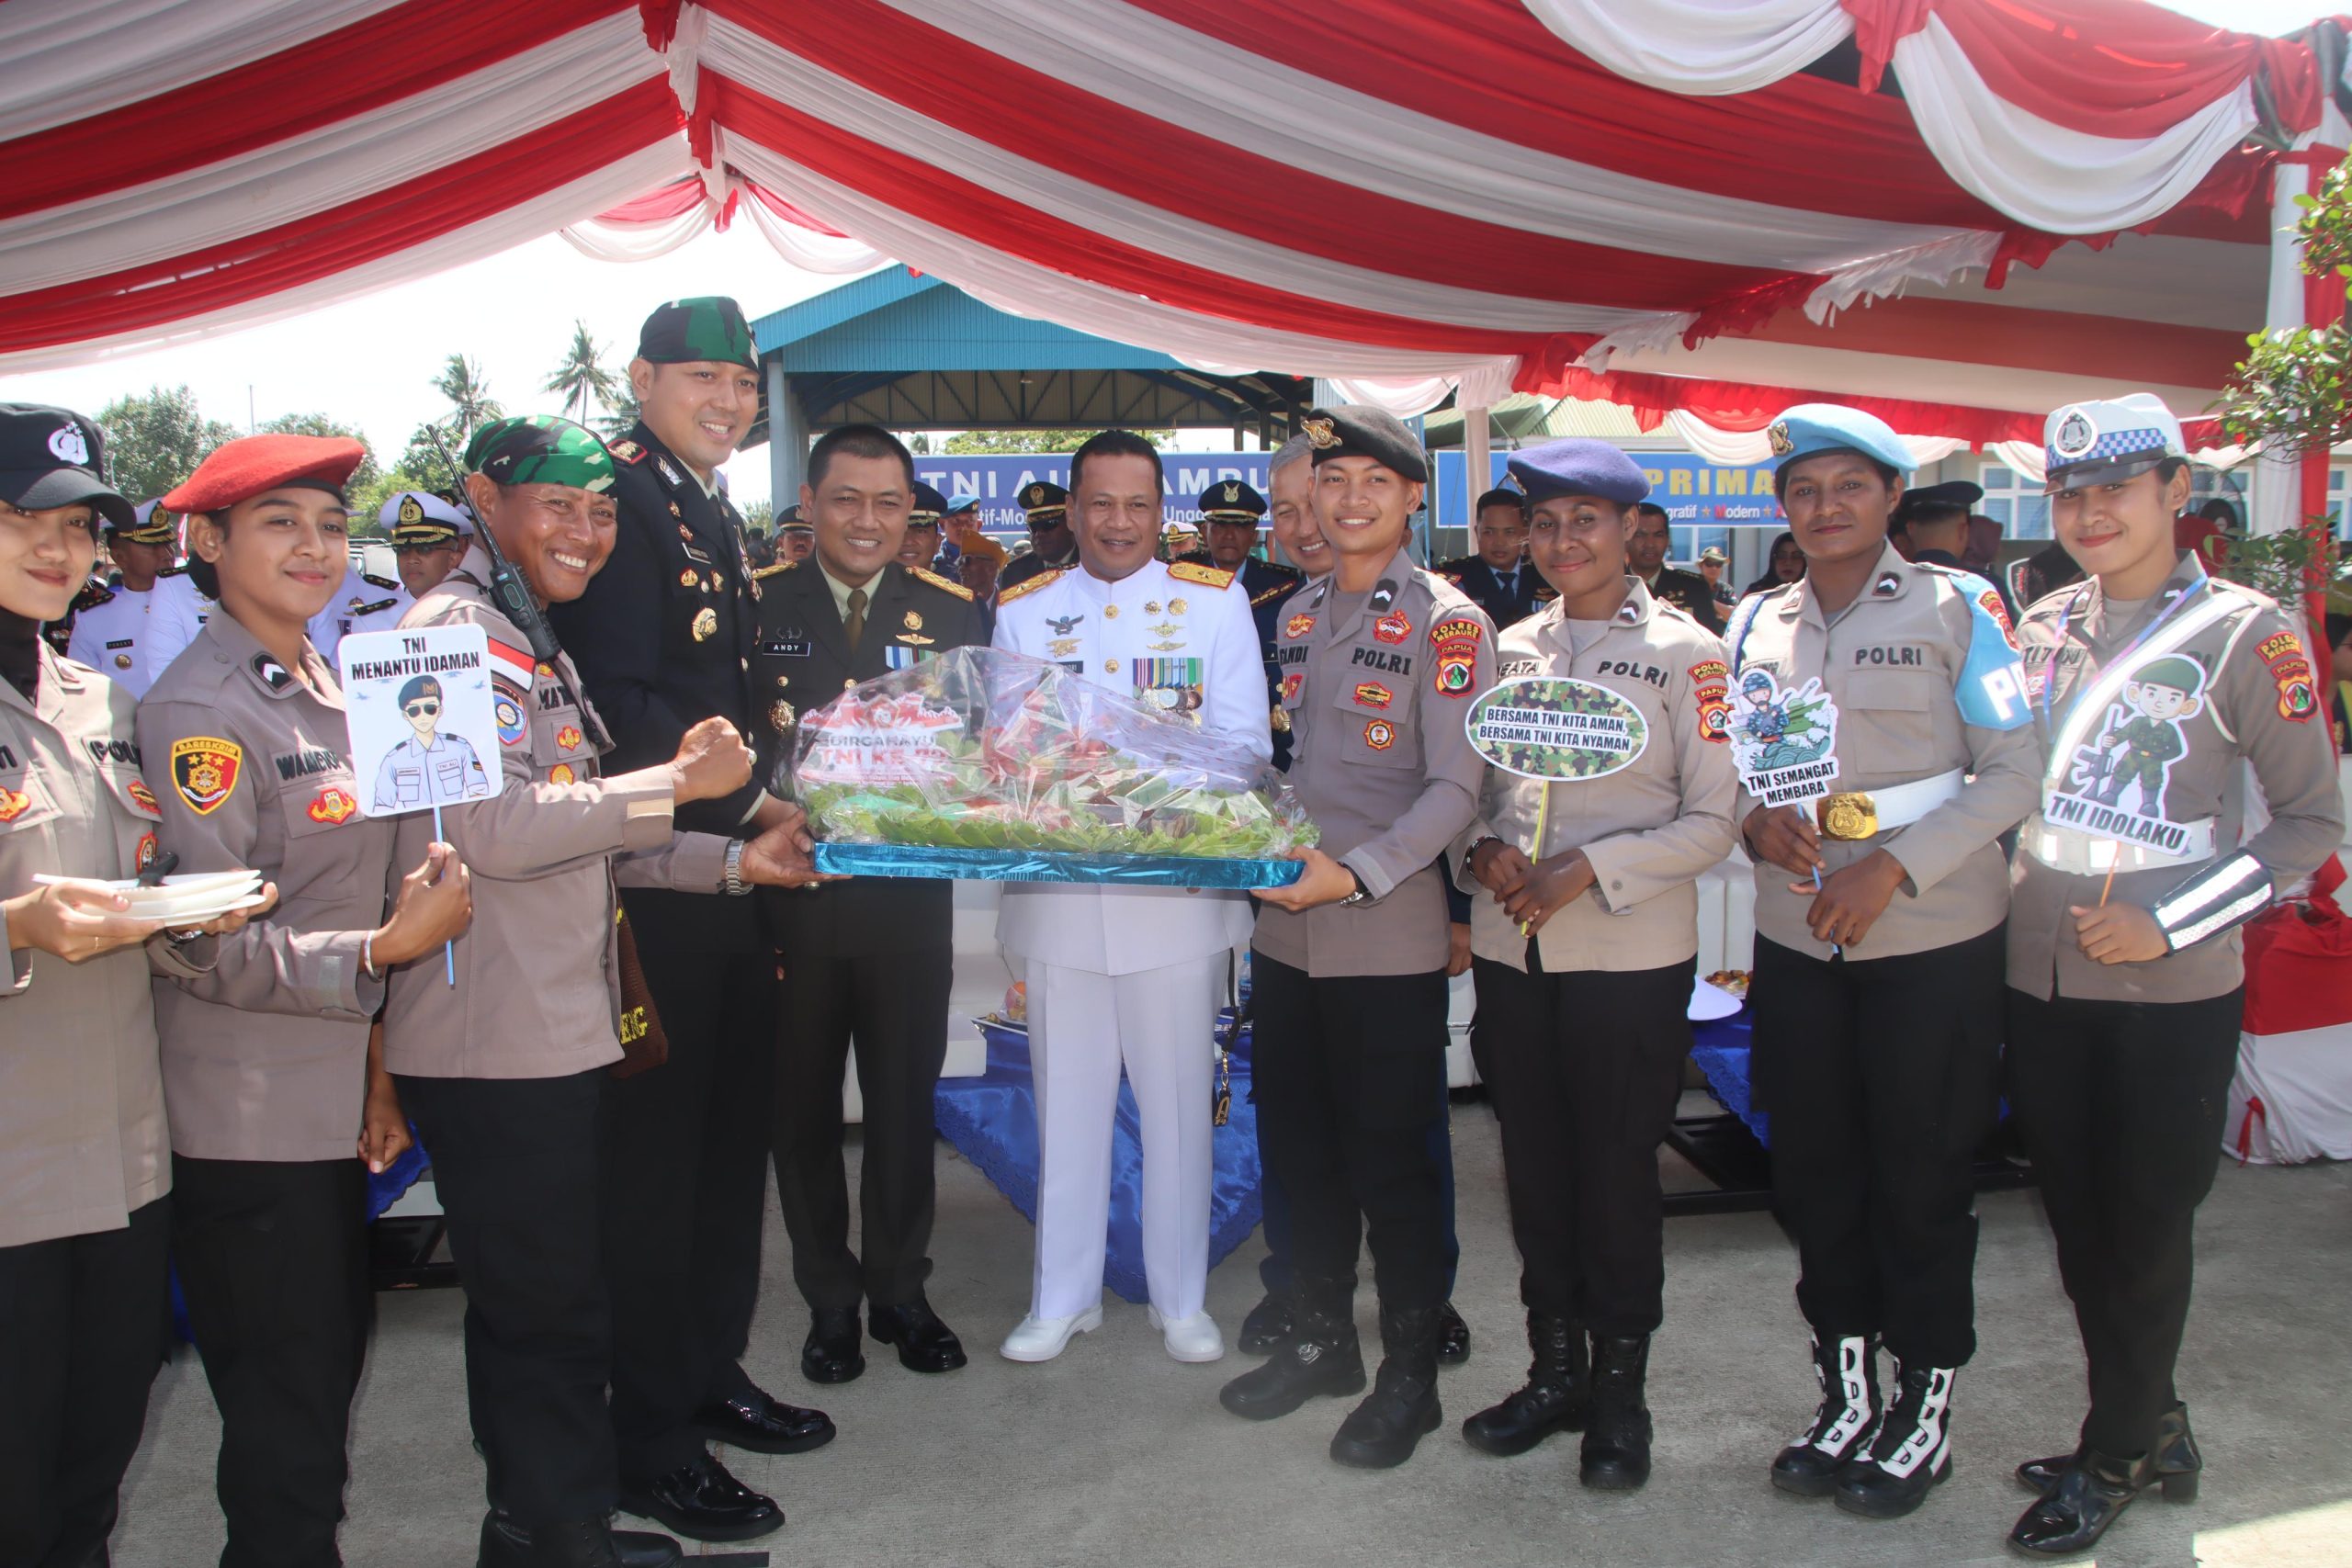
1865 813
2089 854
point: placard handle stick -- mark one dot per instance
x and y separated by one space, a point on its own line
1542 805
1810 815
449 949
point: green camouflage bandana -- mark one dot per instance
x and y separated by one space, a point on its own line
686 332
539 449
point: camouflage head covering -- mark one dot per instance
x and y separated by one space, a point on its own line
539 449
686 332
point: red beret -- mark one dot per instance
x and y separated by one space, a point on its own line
244 467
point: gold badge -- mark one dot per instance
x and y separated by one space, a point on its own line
410 511
1110 612
1175 606
1110 667
1281 721
850 684
676 512
122 661
1165 647
1322 433
913 620
1151 607
687 579
780 715
1849 816
783 680
1062 647
706 623
1779 435
561 774
1166 628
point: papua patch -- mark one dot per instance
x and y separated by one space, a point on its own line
13 803
204 769
510 709
1457 655
1380 734
1292 684
1711 689
1392 629
567 738
1299 626
1990 602
335 804
1373 695
2290 671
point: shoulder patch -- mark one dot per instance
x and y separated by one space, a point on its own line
938 582
93 594
1030 585
626 451
1292 572
1192 571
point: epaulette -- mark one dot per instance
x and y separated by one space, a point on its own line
1294 574
626 451
374 581
174 570
1030 585
936 580
767 571
1207 576
93 594
1287 586
372 608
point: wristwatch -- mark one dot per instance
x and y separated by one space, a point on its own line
1362 896
734 886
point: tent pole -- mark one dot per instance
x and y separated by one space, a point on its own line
1477 465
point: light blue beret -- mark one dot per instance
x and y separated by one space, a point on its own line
1810 428
1578 466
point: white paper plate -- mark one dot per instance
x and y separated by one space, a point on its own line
180 918
1710 1002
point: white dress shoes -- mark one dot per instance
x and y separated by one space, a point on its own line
1193 1338
1042 1339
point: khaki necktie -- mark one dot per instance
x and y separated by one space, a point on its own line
854 624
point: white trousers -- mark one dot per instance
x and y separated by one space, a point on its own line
1082 1028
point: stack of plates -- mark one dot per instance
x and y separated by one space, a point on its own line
189 899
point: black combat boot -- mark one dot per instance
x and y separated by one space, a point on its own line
1381 1432
2177 1462
1268 1324
1912 1451
1321 1357
1616 1456
1558 1383
1844 1425
2091 1492
581 1543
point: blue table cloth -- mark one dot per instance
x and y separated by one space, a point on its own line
993 1121
1720 1048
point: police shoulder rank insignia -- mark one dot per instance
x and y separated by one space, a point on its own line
626 451
1194 571
936 580
204 769
1456 643
93 594
1888 584
333 806
1034 583
370 577
273 674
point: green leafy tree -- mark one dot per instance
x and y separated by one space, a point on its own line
760 518
419 467
470 404
583 377
156 438
1021 443
366 475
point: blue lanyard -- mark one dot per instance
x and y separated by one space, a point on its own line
2065 618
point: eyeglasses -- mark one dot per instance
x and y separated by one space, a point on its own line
426 708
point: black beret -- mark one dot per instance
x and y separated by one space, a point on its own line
1358 430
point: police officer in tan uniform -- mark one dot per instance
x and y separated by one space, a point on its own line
1379 661
2126 979
1585 937
1878 719
265 1032
85 1210
504 1080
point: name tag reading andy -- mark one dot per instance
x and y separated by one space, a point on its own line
1558 730
1783 740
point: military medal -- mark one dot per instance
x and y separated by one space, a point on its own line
706 624
687 579
780 715
1151 607
1175 606
914 621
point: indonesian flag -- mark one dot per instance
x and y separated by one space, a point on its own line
517 663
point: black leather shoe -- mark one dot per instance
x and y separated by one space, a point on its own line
834 1350
582 1544
1558 1383
1616 1455
765 1425
2090 1494
1912 1452
925 1344
702 1502
1267 1327
1844 1424
2177 1460
1403 1408
1452 1337
1321 1357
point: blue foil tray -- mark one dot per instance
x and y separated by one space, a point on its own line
1052 865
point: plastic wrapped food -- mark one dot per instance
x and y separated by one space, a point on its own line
988 764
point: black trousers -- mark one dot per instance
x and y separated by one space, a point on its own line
1349 1073
83 1327
514 1165
2122 1106
1274 1269
684 1191
895 1006
1882 1077
1586 1067
273 1261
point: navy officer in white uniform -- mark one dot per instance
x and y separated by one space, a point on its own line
1129 975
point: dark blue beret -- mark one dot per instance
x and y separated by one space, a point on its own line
1578 466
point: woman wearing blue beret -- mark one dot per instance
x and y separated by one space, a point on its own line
1880 727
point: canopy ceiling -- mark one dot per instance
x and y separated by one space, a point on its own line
1699 204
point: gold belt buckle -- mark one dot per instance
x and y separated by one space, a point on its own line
1851 815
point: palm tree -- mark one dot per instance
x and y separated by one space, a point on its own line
470 404
621 413
580 378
